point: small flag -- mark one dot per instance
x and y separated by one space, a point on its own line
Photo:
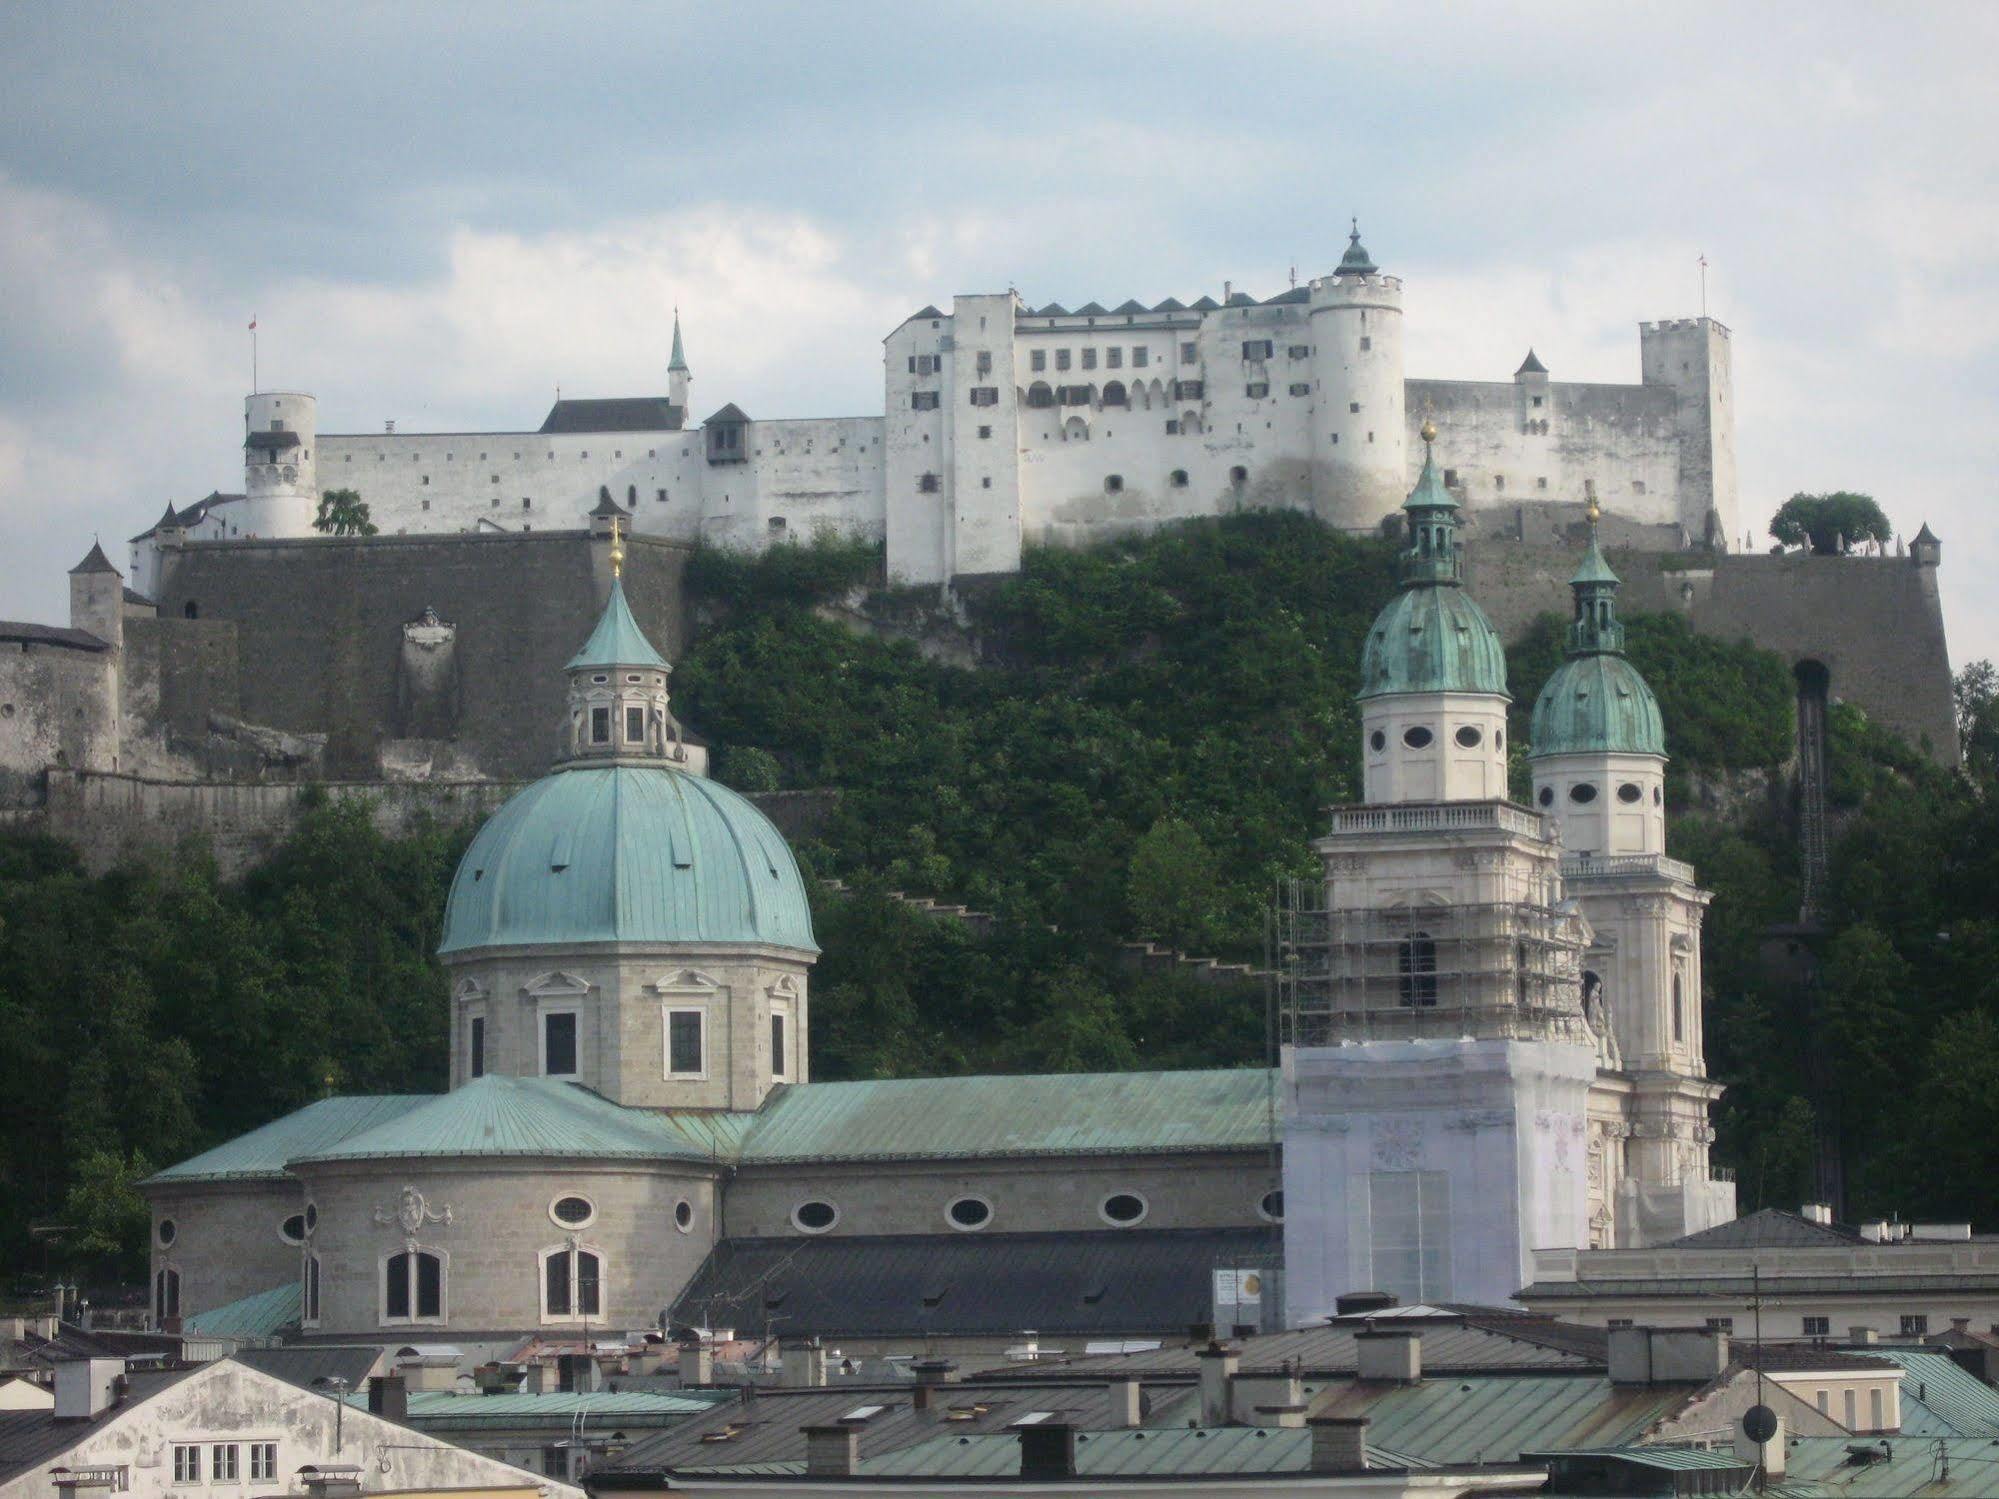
253 322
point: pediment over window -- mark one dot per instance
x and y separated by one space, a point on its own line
554 983
685 981
469 991
785 987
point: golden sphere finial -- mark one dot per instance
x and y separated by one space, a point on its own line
617 550
1594 511
1428 431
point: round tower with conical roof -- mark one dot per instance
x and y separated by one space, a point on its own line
1433 671
1359 459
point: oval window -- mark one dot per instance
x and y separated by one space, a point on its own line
1630 792
311 1217
1122 1208
1468 736
1656 797
683 1215
1582 791
1499 739
601 678
169 1231
814 1217
1271 1205
292 1230
572 1212
1416 738
1547 796
969 1212
1377 741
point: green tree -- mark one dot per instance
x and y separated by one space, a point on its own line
106 1218
1172 886
749 769
1975 691
342 512
1831 523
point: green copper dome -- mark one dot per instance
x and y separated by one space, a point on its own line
1432 636
1596 702
627 853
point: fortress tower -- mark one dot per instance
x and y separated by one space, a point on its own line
1359 459
280 483
1691 357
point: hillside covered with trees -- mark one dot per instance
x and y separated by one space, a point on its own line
1145 750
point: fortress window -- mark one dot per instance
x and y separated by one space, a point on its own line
1178 478
1114 394
496 502
1122 1209
985 395
1582 793
1038 359
1078 395
659 495
923 400
1630 792
1416 737
413 1287
1366 343
1537 400
1187 390
1416 970
1140 358
600 725
814 1216
1172 427
1377 741
1450 478
1301 388
1256 390
1638 486
1238 476
426 478
426 504
635 718
1541 483
683 1215
1061 359
1468 736
986 482
686 1052
1499 481
1113 483
968 1213
927 484
1353 406
1113 359
775 524
1089 359
1336 439
1546 796
526 503
985 361
1189 353
985 431
558 1043
191 610
1256 348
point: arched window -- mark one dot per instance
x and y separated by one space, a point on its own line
1190 423
1076 430
191 609
1179 478
1040 394
166 1294
309 1301
1114 393
1416 967
1113 483
572 1283
413 1286
1238 476
1679 1011
1520 974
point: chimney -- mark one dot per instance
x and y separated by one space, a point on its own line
803 1365
1354 1303
1219 1362
832 1451
1048 1450
389 1397
1393 1355
429 1371
1816 1212
1767 1455
1339 1443
931 1375
87 1387
1863 1336
697 1364
1960 1324
1666 1355
1127 1400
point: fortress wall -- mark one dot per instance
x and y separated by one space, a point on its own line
57 707
321 623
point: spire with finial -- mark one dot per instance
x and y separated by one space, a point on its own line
1356 261
677 374
1432 555
617 550
1596 629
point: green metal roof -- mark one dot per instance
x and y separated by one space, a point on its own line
447 1409
1432 638
1063 1114
520 1116
264 1314
1496 1417
1356 261
625 853
1597 704
617 640
261 1154
1939 1397
679 359
1593 568
1665 1459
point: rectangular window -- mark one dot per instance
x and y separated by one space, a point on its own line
683 1043
777 1059
1256 348
1187 390
923 400
1537 401
1875 1414
589 1281
263 1461
310 1311
1113 359
985 361
187 1463
1541 483
660 495
1825 1402
985 395
1300 351
558 1044
426 504
1172 426
1366 343
1075 395
1038 359
1190 353
985 431
1916 1326
1301 387
475 1048
429 1285
555 1274
1089 359
1353 407
1256 390
1140 358
527 504
222 1459
927 484
1852 1402
1409 1219
1818 1327
635 718
1616 1322
1061 359
1721 1324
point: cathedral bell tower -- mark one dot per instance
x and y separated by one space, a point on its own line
1436 1057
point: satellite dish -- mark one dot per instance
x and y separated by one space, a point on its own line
1759 1424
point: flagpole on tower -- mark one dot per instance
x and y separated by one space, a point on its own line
253 353
1703 264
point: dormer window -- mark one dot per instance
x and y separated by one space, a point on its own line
600 725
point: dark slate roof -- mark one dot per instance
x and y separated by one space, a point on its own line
624 414
1286 298
766 1429
1804 1358
35 1439
1531 365
191 514
1241 299
929 311
94 561
1130 304
133 596
606 506
275 441
1171 304
1741 1290
1053 309
729 413
1769 1228
1091 309
24 632
1206 304
307 1363
1129 1281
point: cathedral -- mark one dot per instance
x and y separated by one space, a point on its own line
1492 1039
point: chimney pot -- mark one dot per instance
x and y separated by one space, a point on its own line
832 1451
1339 1443
1390 1354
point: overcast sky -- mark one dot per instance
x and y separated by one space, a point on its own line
439 213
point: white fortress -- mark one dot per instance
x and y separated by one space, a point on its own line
1004 424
